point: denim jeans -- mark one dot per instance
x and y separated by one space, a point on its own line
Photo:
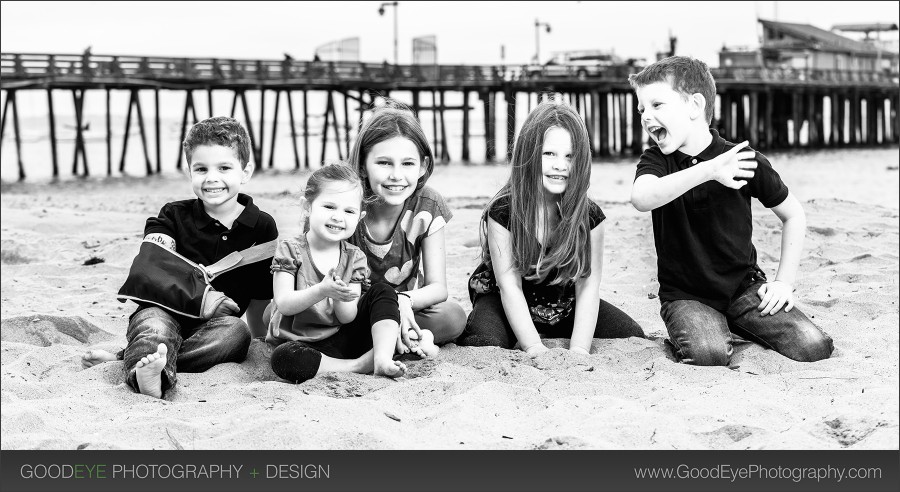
191 349
702 335
487 324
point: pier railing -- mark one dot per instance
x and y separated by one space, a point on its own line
24 68
19 70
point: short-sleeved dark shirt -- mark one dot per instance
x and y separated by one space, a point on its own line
703 238
202 239
548 304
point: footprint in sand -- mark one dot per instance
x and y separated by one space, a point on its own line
848 431
344 385
731 432
825 231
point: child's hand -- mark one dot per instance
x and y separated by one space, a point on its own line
407 321
733 168
216 304
579 350
413 345
775 294
401 347
536 349
336 289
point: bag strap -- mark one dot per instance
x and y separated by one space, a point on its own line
240 258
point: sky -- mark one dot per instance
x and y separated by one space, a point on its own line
466 32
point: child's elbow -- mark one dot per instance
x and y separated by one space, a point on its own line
442 294
640 202
344 318
280 302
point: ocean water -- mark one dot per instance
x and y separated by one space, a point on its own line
37 157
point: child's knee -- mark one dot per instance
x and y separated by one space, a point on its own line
814 345
633 329
236 334
152 321
705 352
454 321
382 290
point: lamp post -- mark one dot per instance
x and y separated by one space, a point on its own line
537 39
381 12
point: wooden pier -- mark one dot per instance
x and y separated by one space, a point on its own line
767 107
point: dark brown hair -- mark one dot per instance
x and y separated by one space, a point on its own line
687 75
219 130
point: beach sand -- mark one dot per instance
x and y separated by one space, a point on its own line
628 394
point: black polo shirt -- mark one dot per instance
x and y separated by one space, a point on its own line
202 239
703 238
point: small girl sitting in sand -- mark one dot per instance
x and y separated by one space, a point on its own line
319 321
402 234
542 246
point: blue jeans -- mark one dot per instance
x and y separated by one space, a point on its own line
191 349
702 335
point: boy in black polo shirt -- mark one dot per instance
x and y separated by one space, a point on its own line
220 221
698 187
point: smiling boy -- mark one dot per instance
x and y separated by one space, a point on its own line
698 187
221 220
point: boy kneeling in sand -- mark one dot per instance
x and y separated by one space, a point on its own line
698 187
221 221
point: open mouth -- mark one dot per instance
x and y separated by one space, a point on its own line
334 228
659 133
558 178
395 188
213 191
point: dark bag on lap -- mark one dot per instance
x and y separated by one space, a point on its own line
164 278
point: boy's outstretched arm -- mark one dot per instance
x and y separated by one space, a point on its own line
780 292
650 192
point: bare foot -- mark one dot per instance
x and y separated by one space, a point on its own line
148 371
93 357
427 346
390 368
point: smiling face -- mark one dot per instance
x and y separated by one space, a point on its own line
216 174
673 121
556 160
393 169
334 214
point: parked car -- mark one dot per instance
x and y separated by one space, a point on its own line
581 64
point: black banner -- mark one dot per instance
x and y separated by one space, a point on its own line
401 471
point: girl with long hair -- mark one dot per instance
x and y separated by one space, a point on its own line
403 231
542 246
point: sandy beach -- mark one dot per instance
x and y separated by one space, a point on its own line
66 249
